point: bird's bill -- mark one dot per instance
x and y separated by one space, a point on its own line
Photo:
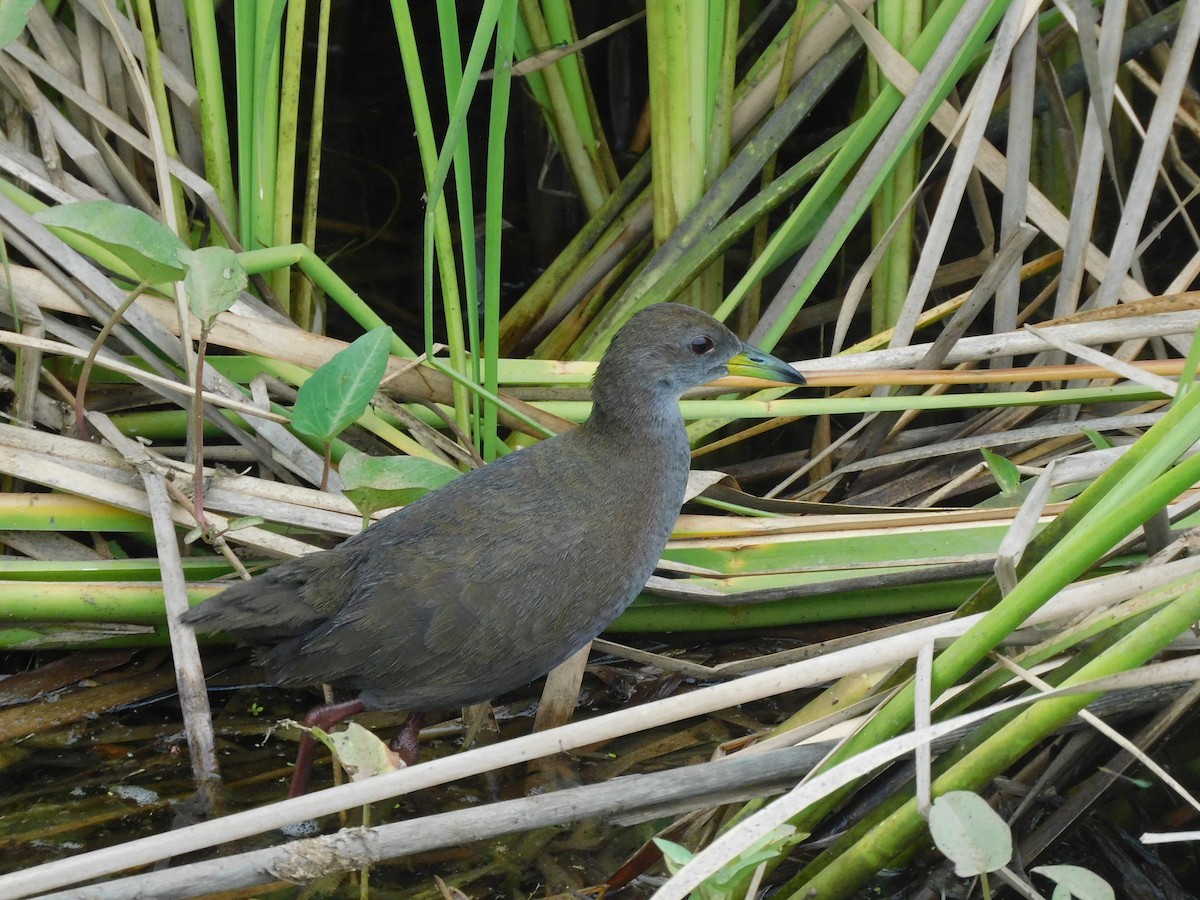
755 363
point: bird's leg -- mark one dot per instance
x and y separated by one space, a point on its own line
406 743
323 717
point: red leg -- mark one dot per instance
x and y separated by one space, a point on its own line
407 742
323 717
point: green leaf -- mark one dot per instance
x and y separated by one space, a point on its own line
1076 881
778 838
970 833
338 392
147 246
14 15
373 483
1004 471
1099 441
676 856
731 881
361 754
214 279
242 522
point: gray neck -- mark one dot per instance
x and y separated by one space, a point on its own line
644 410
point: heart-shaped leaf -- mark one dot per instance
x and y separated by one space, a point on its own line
338 392
676 856
1076 881
214 280
1004 471
970 833
361 753
373 483
14 16
147 246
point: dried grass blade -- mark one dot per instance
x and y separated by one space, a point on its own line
229 828
185 652
1145 174
1131 372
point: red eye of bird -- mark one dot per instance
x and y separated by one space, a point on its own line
702 344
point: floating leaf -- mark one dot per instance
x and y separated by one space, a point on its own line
361 754
970 833
373 483
214 280
338 392
1004 471
14 15
1076 881
147 246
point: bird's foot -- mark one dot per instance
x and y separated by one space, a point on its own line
406 743
323 717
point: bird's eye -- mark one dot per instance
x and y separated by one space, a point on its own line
702 344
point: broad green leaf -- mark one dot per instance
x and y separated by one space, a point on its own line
1076 881
214 279
970 833
14 15
338 392
144 244
676 856
731 881
373 483
1004 471
361 753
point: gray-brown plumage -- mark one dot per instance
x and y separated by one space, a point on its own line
490 581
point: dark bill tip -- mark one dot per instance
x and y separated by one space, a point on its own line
755 363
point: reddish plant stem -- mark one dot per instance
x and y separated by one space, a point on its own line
198 434
85 373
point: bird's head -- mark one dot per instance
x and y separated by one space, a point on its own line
669 348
